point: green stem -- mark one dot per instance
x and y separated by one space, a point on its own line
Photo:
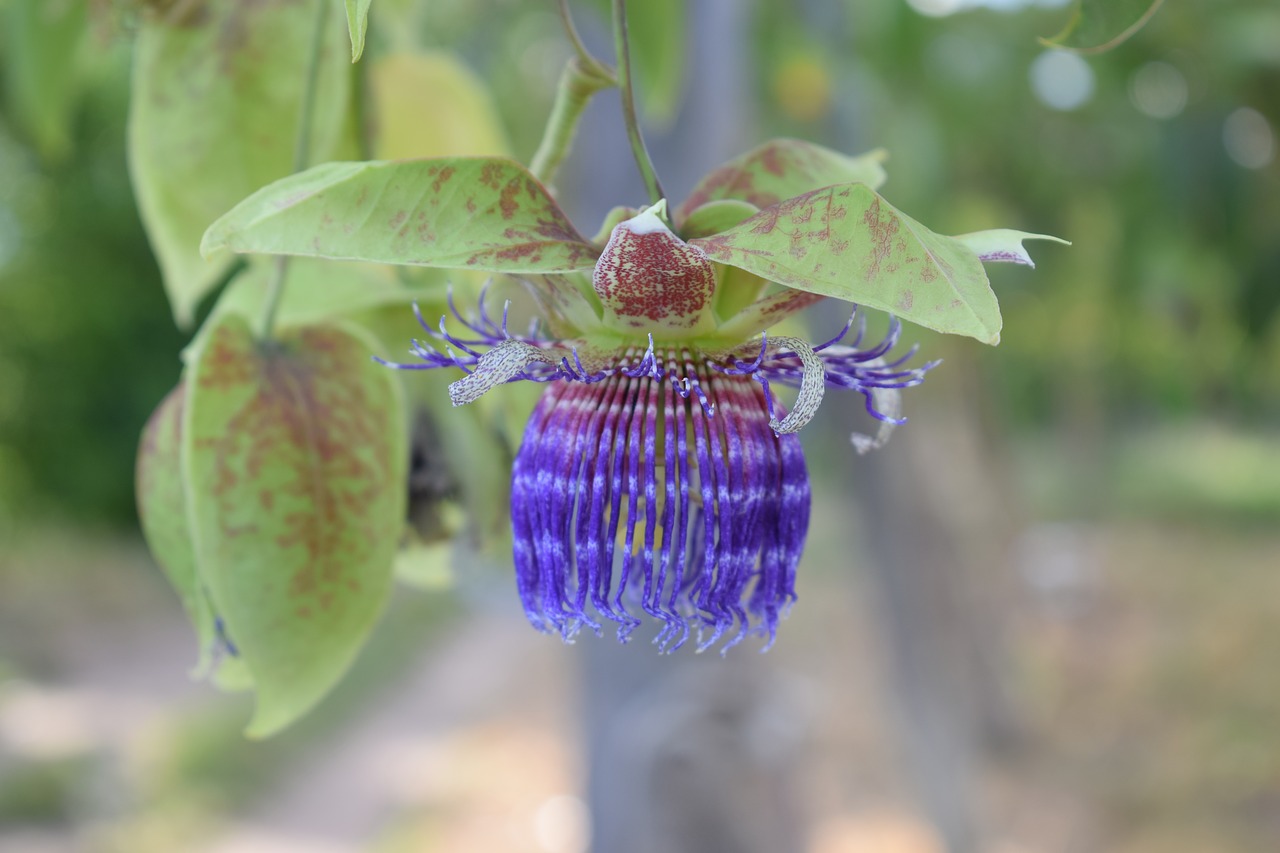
622 48
577 84
589 62
301 156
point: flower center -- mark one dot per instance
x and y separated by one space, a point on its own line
660 488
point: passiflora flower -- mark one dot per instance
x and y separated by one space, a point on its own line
659 474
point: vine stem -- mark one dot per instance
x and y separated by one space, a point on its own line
583 76
589 62
577 84
622 48
301 157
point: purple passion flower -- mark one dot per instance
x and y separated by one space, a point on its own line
659 474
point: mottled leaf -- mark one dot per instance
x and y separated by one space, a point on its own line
41 40
162 509
1003 244
357 25
216 100
463 213
296 463
846 241
1096 26
781 169
431 105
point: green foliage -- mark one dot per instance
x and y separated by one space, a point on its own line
317 291
214 116
357 25
162 509
658 48
429 104
294 473
846 241
780 169
42 41
461 213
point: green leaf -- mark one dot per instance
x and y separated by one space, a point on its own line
429 104
1096 26
42 40
357 25
162 509
1003 244
846 241
296 460
319 290
214 113
464 213
781 169
657 32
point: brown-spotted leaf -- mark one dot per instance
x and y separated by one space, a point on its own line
780 169
480 213
216 99
296 465
162 509
848 242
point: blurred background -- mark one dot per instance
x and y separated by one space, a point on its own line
1045 618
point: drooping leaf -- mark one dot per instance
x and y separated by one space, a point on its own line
431 105
295 467
1003 244
213 117
162 509
846 241
463 213
1096 26
781 169
357 25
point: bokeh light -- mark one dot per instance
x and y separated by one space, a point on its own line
1158 90
1061 80
1248 138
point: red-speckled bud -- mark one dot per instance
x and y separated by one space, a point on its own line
651 281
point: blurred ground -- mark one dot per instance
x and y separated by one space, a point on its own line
1140 654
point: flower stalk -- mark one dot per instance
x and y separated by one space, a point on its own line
622 47
301 157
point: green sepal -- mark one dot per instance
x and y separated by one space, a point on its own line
716 216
